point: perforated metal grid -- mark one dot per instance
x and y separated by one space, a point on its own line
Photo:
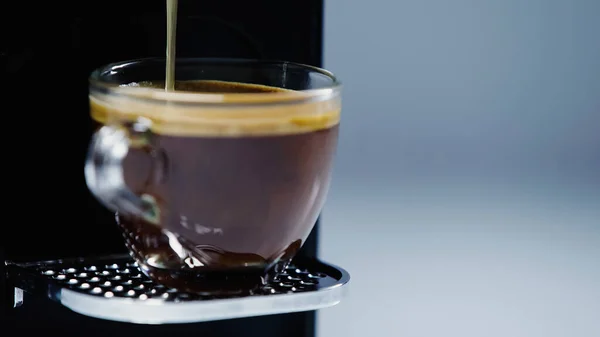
124 279
114 288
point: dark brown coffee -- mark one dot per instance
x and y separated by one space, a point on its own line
237 196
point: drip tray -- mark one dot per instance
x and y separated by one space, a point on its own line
114 288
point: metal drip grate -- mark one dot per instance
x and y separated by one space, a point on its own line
114 288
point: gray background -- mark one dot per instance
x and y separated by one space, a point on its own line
466 196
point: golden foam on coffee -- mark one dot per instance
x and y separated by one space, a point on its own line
217 108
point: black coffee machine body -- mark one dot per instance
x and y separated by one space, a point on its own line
47 51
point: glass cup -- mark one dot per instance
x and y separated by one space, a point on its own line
215 185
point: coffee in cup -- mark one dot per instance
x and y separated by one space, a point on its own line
216 184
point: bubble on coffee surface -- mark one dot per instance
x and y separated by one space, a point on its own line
143 84
245 119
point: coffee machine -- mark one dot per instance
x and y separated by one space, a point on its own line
60 245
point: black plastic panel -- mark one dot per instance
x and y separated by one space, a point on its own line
47 50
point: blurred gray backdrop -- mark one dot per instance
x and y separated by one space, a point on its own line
466 196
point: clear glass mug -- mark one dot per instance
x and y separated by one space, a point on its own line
216 185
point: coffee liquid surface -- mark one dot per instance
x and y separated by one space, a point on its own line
238 190
266 110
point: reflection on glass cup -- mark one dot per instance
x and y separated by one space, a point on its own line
217 184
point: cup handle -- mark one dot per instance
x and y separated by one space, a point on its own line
104 169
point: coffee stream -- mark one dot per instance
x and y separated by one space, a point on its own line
171 44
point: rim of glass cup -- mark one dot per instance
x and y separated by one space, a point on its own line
157 95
